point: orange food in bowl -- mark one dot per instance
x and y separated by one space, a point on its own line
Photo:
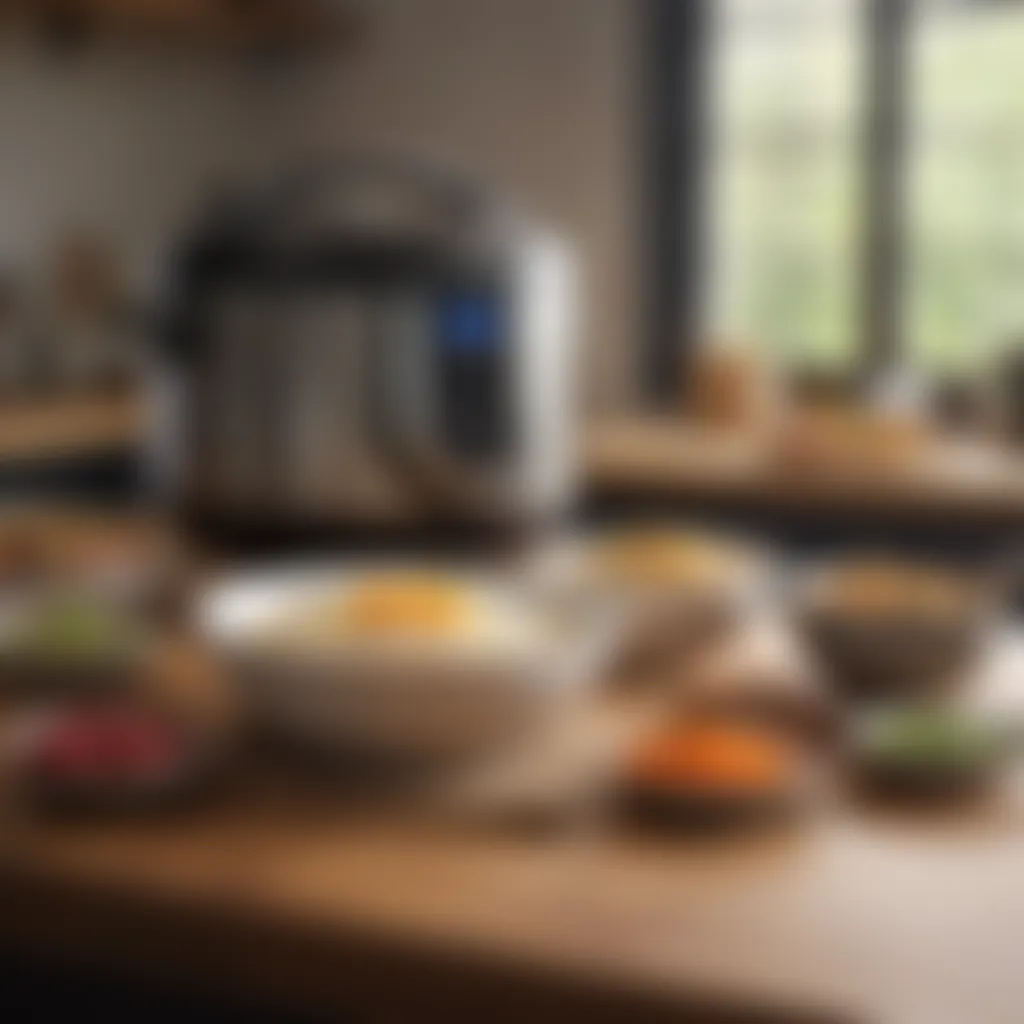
712 755
405 604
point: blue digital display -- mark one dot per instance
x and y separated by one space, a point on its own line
470 323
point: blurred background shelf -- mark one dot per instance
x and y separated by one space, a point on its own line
264 22
632 459
668 460
71 428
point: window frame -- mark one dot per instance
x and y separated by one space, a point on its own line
678 61
677 64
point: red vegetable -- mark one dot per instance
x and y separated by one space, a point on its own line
106 746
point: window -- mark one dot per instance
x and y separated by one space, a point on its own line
864 200
963 295
785 182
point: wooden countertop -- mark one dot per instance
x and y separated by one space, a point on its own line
665 458
285 892
659 458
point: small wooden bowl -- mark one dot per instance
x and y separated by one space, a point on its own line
884 628
901 657
966 766
677 808
174 786
678 800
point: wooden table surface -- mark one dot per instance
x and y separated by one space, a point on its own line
282 890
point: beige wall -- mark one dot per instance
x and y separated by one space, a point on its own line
535 94
115 138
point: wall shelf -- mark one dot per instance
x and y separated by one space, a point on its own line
70 428
243 23
671 460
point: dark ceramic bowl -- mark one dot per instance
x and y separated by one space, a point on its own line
69 645
676 808
894 656
180 776
928 754
885 628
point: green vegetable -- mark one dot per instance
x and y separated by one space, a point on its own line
74 629
923 738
